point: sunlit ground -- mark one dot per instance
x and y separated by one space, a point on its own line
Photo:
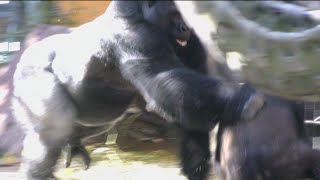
109 162
150 161
112 163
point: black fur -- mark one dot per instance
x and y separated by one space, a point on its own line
90 77
192 55
272 145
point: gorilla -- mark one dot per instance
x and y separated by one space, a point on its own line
90 77
11 135
272 145
190 52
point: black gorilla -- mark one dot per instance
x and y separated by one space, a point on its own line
272 145
90 76
189 50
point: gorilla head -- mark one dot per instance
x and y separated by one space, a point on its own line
165 15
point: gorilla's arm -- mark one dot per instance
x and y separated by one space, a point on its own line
189 99
170 89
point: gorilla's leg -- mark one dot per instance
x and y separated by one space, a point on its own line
195 154
46 115
74 145
39 158
42 148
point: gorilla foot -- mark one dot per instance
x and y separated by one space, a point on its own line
80 150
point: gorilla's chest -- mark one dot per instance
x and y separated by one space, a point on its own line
97 87
105 81
104 90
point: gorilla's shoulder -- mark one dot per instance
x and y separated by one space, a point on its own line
237 103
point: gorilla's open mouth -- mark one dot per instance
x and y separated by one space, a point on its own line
182 42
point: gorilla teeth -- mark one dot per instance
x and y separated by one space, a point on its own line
182 43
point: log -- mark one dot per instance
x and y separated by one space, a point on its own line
281 63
